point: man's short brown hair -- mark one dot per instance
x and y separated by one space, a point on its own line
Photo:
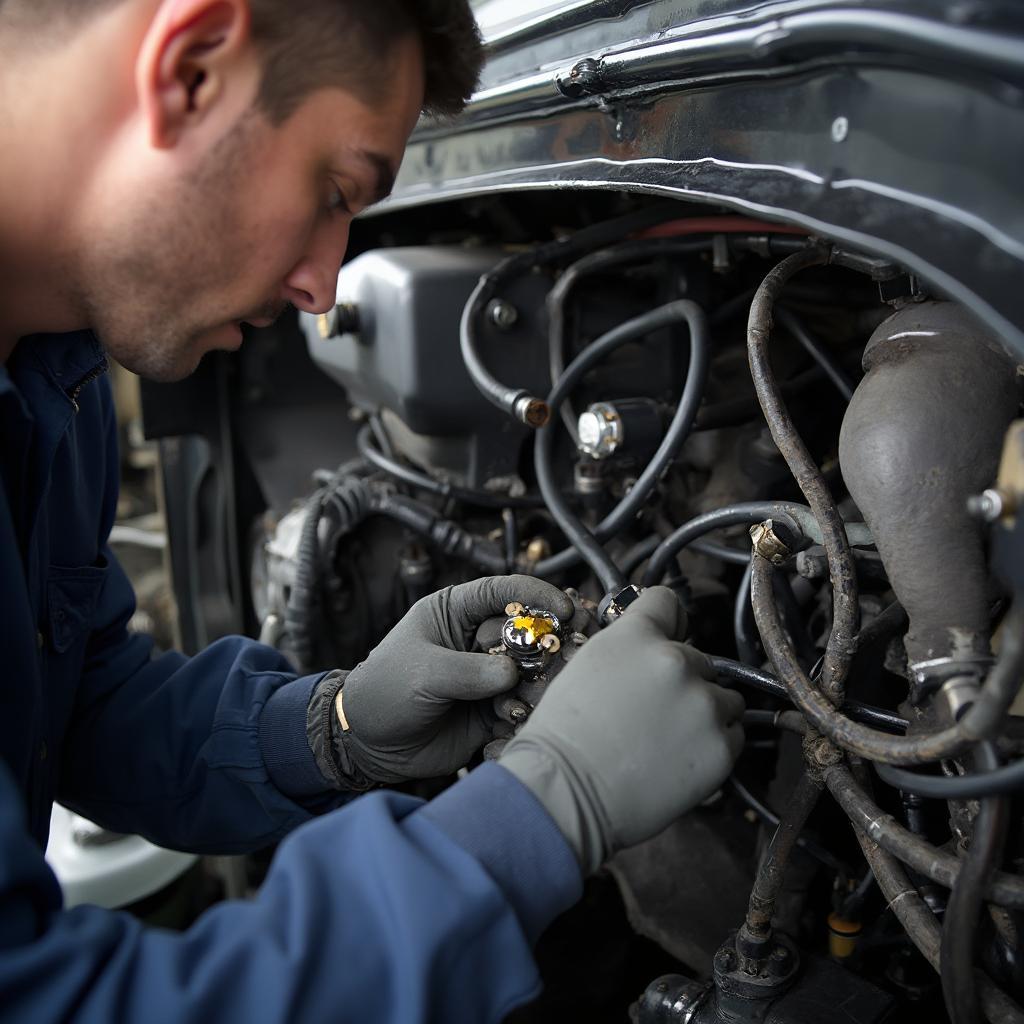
351 43
316 43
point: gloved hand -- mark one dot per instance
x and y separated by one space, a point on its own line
631 734
420 705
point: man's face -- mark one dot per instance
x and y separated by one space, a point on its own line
257 222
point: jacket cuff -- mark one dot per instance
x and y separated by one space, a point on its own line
289 761
499 822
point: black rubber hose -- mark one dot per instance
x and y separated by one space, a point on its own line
724 553
756 928
963 911
731 671
733 412
518 402
839 649
742 513
451 538
835 373
927 860
745 637
443 489
351 500
594 263
583 541
788 721
845 733
508 517
919 923
1001 782
984 718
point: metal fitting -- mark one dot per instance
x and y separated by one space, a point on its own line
538 549
821 753
614 605
502 314
532 411
991 505
767 543
530 637
600 431
343 319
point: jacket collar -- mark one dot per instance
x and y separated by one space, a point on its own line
65 360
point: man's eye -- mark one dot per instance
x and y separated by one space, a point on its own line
337 203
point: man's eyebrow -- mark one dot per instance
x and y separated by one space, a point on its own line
384 174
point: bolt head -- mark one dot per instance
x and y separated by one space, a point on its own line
503 314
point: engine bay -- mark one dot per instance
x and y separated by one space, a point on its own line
819 453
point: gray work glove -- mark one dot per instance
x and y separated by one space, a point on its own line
420 705
631 734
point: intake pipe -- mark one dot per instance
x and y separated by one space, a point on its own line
923 433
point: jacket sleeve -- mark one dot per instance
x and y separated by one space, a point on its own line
207 754
385 911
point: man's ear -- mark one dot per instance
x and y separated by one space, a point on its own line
188 63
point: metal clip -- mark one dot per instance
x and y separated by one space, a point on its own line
767 543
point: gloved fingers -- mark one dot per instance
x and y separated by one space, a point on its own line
735 738
458 675
657 613
469 604
731 705
489 633
694 662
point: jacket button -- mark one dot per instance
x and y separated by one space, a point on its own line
40 640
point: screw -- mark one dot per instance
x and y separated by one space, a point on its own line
551 643
503 314
725 960
513 609
518 713
840 129
988 506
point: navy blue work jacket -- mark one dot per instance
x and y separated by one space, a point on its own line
387 909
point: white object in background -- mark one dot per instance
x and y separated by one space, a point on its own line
111 873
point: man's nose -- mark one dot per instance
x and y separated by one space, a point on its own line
312 284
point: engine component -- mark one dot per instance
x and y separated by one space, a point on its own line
822 987
922 434
627 426
405 355
530 637
446 462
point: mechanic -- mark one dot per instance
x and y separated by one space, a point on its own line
170 169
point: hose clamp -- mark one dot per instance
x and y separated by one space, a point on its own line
768 544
